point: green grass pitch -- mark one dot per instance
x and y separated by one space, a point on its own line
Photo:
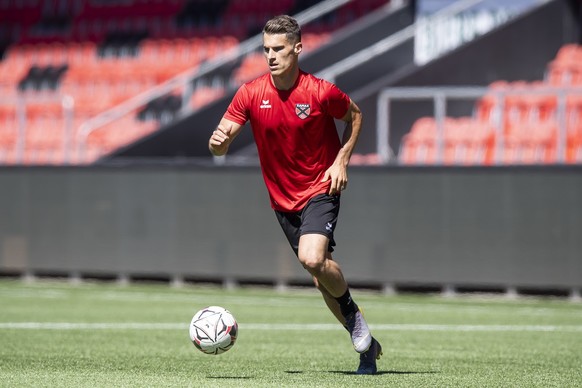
55 334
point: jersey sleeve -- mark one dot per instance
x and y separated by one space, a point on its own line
334 101
237 110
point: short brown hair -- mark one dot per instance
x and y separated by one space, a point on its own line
284 24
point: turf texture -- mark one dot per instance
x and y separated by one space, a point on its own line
55 334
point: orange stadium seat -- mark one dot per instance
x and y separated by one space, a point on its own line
566 68
465 142
530 143
565 74
487 107
97 83
370 159
44 133
574 112
8 134
252 66
574 150
204 95
574 129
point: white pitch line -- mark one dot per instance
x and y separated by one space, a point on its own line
287 326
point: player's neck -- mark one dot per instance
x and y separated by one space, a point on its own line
286 81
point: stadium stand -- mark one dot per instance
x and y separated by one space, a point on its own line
102 52
465 142
527 113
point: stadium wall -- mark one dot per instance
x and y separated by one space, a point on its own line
458 228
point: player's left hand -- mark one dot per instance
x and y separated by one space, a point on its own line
339 178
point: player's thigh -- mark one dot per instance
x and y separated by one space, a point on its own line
313 248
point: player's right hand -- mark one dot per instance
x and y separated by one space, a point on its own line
220 140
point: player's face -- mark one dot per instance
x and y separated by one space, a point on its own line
281 54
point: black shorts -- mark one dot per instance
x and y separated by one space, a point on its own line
318 216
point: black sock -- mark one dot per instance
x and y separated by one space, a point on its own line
347 305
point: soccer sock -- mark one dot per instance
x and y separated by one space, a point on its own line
346 303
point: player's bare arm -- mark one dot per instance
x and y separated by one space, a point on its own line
222 136
338 171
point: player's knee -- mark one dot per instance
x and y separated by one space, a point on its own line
312 261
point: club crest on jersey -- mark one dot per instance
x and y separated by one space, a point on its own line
302 110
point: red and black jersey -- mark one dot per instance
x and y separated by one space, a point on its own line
295 134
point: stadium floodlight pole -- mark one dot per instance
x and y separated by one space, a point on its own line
189 76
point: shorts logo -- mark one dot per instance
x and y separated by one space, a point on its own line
329 227
302 110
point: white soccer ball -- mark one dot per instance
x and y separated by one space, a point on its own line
213 330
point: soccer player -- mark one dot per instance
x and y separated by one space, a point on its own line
304 164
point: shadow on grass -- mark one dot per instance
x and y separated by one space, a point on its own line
385 372
230 377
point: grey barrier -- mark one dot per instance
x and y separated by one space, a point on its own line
455 228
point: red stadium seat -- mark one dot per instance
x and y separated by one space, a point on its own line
529 143
466 141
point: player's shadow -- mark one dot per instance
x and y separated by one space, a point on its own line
380 372
384 372
230 377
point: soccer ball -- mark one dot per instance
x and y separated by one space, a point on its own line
213 330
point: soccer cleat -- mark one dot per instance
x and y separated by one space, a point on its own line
358 328
368 359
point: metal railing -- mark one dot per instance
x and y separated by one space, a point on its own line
21 103
186 79
440 96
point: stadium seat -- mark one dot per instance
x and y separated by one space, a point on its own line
370 159
466 141
574 112
76 64
8 131
253 65
44 133
566 68
530 143
204 95
574 129
574 150
487 107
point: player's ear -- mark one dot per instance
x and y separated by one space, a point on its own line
298 47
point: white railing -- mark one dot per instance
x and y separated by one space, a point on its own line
185 80
21 101
441 95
